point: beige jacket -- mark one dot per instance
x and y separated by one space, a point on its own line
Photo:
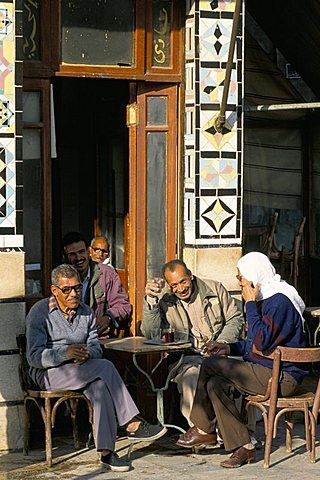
224 319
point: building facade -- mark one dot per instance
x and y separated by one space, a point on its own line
109 125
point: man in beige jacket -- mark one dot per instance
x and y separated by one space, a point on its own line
204 309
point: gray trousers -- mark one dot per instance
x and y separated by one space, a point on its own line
213 401
102 385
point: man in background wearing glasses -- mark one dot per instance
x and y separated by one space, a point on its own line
203 309
64 353
100 250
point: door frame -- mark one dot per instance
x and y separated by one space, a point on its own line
138 129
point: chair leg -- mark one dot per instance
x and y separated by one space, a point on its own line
289 428
92 432
89 439
307 426
73 412
26 429
313 439
48 428
269 435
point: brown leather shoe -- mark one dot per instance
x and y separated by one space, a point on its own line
239 457
192 438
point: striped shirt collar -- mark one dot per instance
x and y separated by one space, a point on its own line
53 305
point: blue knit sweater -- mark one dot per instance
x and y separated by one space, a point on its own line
49 335
272 322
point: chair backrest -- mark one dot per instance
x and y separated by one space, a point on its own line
26 381
288 354
300 355
270 244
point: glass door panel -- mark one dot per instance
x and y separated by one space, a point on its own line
154 183
156 201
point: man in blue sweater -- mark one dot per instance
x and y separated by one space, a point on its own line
64 353
274 318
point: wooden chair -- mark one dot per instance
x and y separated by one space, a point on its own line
270 245
42 399
303 400
292 256
285 257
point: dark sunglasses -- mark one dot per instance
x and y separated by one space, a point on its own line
67 290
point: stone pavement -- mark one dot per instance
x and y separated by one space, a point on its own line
161 460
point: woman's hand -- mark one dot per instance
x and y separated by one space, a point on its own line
249 292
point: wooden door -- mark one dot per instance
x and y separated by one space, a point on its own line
153 117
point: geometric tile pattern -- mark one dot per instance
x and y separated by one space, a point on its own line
217 214
7 182
212 83
8 130
218 173
212 183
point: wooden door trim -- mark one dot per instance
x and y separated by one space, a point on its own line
43 86
113 71
132 264
143 92
176 65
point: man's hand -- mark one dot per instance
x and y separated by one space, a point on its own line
79 353
216 348
249 292
103 326
153 288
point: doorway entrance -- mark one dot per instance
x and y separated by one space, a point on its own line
90 187
115 173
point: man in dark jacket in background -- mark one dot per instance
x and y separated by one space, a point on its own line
102 289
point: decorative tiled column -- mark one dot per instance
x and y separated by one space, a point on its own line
10 125
212 183
12 312
212 210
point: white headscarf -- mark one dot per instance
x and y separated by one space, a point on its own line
257 268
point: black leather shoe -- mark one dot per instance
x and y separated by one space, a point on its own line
192 438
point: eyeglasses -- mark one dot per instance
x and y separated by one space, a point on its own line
102 250
67 290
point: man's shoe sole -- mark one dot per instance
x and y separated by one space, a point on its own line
225 464
199 446
149 439
125 468
207 446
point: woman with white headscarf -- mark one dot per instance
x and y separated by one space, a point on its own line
274 310
274 318
258 269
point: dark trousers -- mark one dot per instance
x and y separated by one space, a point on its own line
214 404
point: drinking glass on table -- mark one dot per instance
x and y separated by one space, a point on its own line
155 334
168 335
181 335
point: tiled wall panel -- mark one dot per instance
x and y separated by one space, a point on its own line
10 122
212 215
